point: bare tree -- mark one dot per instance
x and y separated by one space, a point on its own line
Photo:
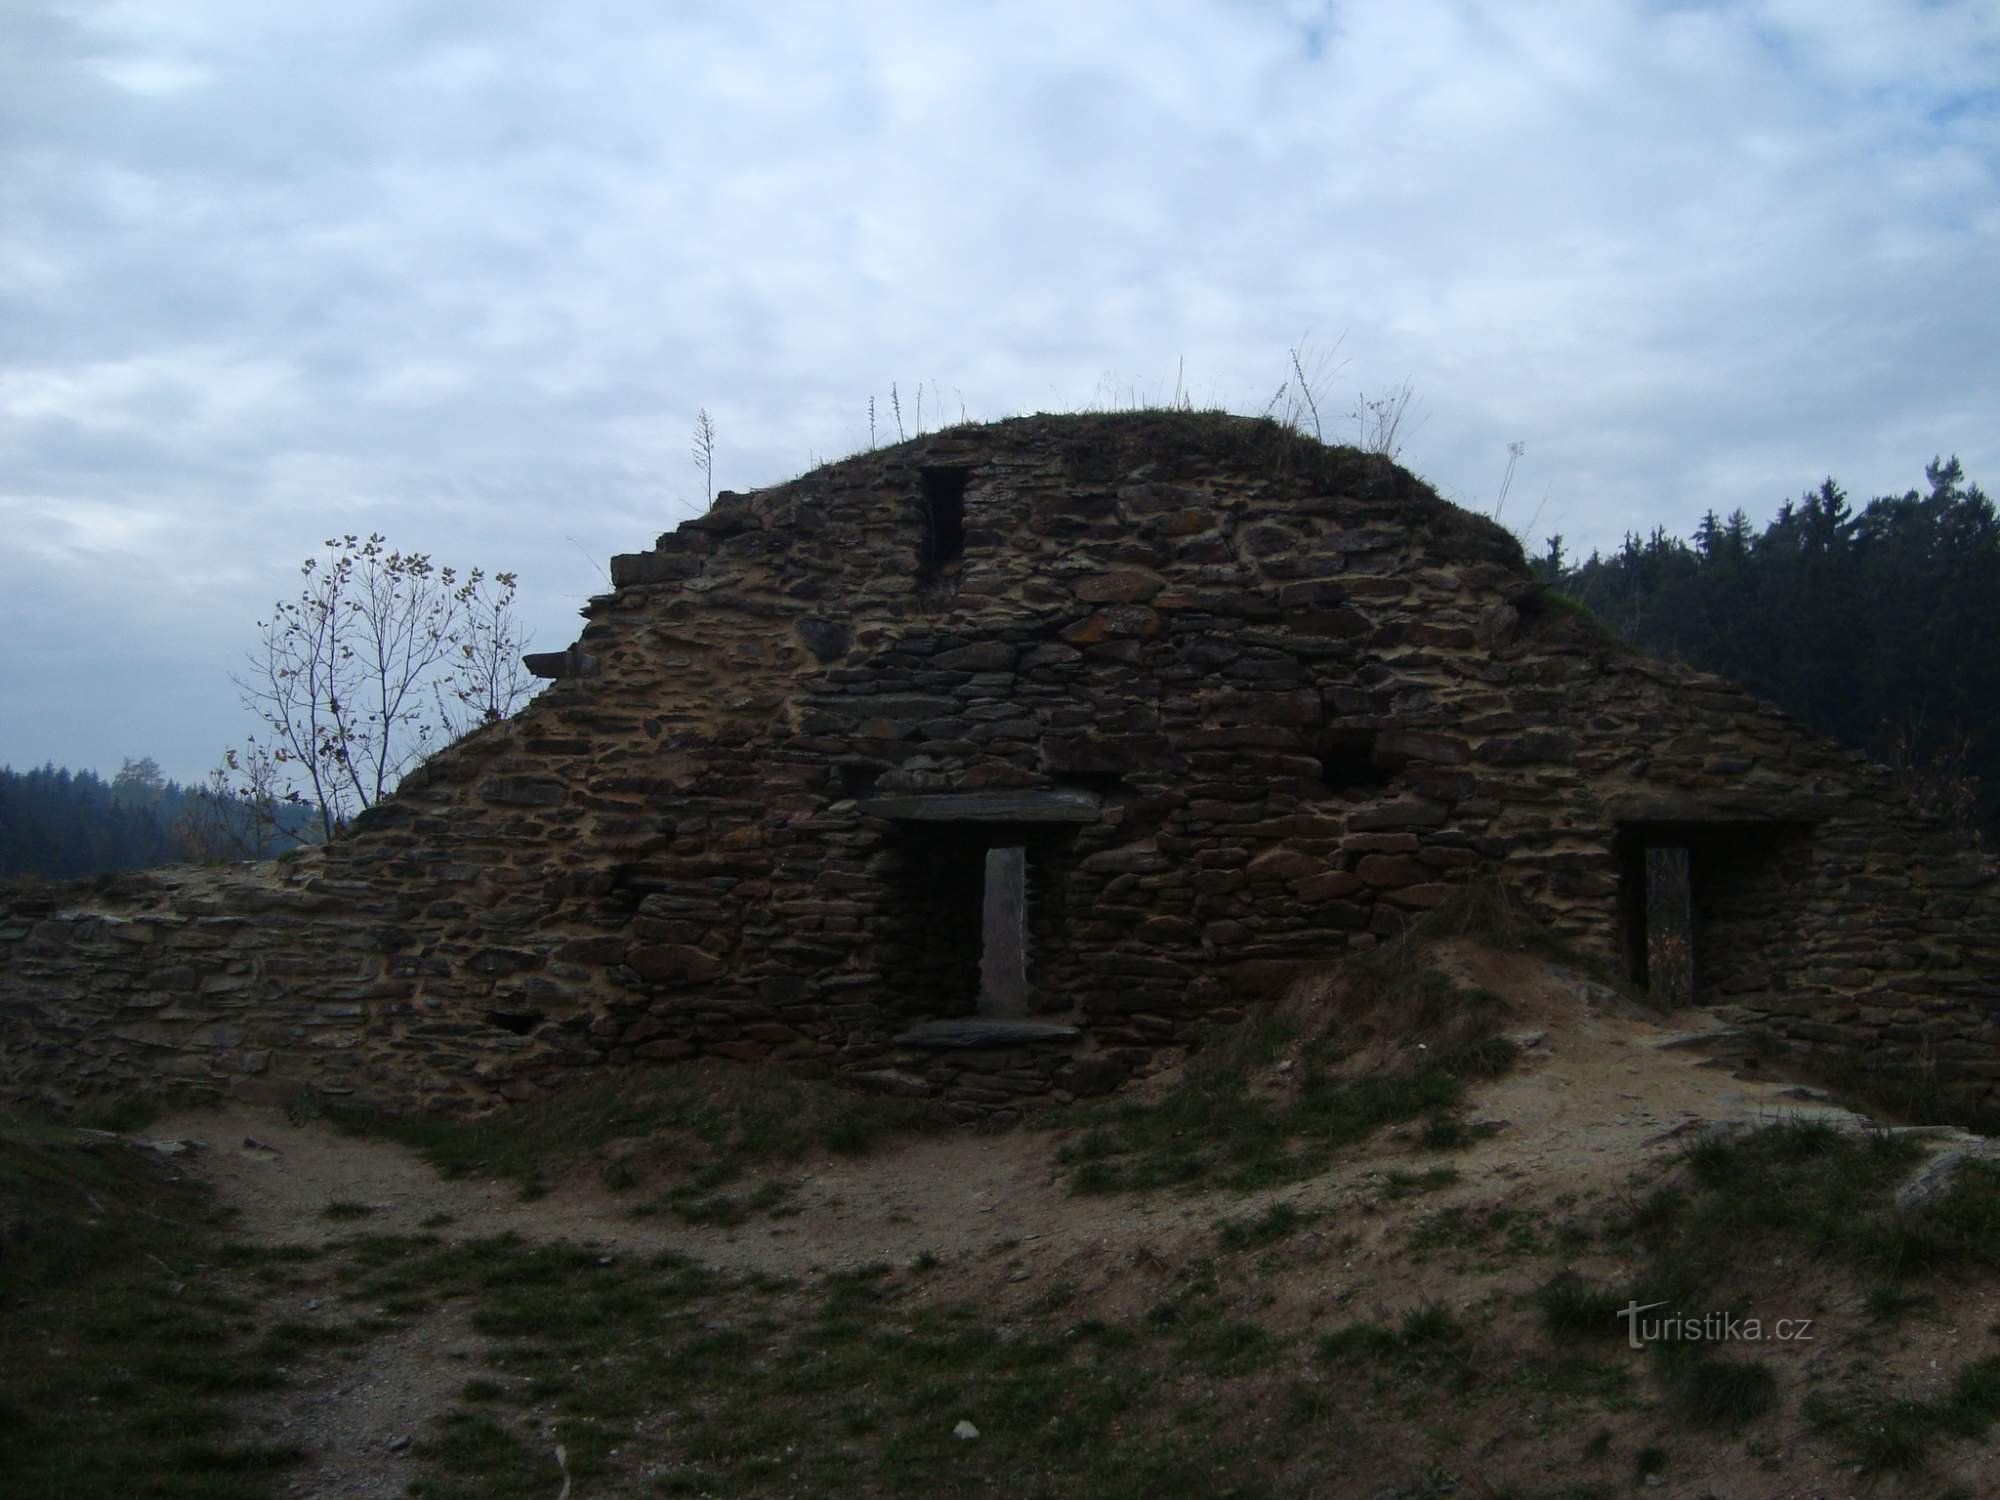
704 449
383 658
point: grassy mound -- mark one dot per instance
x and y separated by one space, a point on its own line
1385 1038
124 1350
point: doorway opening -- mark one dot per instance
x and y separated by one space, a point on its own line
1667 957
976 897
972 909
1703 907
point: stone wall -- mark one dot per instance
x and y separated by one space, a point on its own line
1247 703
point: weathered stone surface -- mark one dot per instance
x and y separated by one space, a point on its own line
1409 814
1391 870
558 664
1129 859
982 656
1396 745
893 1081
666 1050
1526 749
962 1034
1329 887
524 791
1285 864
1240 719
673 963
1117 588
989 807
828 640
651 567
1105 752
1091 1075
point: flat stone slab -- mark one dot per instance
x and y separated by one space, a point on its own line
986 1034
1064 806
1931 1179
559 664
1677 1040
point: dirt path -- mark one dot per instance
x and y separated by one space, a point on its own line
1600 1090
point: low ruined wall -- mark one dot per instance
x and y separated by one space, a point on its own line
252 980
265 983
1298 697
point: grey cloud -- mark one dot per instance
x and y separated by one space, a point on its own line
465 274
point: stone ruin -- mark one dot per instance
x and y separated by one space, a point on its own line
987 767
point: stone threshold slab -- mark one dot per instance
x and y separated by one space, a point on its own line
986 1034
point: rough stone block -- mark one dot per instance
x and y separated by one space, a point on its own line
1124 587
629 568
1331 886
674 964
1410 814
664 1050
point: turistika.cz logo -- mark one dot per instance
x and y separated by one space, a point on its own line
1708 1328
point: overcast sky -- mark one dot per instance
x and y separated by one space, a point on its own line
464 273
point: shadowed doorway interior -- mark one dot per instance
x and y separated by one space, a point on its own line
1704 905
1670 958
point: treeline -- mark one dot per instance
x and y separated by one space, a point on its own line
1879 627
67 824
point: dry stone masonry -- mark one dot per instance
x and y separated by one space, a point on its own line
1228 704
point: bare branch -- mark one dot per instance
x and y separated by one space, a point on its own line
704 450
